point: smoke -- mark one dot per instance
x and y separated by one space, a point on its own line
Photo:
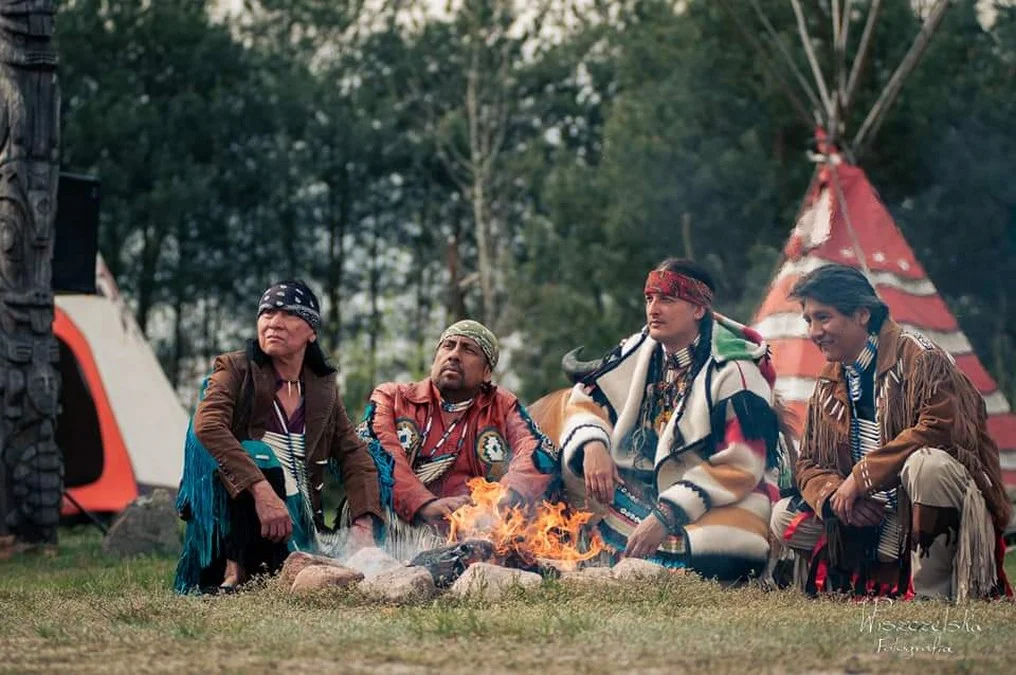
400 544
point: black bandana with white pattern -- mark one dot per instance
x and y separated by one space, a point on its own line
293 297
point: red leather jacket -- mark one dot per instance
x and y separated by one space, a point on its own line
495 439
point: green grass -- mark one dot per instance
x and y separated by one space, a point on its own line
83 612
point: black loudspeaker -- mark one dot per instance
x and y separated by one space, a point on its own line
76 230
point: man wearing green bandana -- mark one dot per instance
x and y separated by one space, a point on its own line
454 426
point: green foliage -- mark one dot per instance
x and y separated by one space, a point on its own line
336 141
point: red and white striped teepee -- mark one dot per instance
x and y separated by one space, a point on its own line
844 221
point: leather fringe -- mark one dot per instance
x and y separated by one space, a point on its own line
973 449
974 571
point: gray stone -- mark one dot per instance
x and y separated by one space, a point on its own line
589 576
635 569
297 562
491 582
323 577
400 584
372 561
148 526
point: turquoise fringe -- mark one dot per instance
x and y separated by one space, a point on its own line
384 462
203 497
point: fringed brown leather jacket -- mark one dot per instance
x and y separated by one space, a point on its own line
329 433
923 400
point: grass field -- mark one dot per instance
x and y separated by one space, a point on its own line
83 613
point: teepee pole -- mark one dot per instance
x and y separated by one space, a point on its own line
892 90
841 29
855 242
782 47
767 62
837 25
816 71
834 113
862 51
841 52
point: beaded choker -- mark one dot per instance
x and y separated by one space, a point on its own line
854 370
682 358
451 407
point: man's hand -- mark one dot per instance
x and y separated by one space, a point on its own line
276 525
511 499
600 472
842 501
361 533
646 538
867 512
436 512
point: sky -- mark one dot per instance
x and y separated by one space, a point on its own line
438 7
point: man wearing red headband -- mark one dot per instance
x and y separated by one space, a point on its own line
672 439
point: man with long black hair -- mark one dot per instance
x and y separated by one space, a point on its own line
673 438
901 488
269 424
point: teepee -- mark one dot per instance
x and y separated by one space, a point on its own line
842 220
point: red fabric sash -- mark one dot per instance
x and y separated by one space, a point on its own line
1003 579
794 524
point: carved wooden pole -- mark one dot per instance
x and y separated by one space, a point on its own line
31 466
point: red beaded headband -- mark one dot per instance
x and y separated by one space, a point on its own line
665 282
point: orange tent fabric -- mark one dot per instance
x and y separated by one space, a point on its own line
116 486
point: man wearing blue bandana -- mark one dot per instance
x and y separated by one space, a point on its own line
269 424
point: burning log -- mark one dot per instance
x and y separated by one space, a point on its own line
446 564
489 530
541 539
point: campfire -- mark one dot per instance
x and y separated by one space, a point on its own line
547 536
490 549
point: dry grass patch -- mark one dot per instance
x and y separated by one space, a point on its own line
85 613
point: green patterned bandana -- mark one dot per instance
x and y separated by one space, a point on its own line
478 333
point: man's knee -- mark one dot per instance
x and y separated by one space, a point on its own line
930 460
781 518
793 526
934 477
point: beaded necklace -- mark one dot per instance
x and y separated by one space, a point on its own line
666 385
446 407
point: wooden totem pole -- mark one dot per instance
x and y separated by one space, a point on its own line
31 465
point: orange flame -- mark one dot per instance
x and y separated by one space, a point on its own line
549 535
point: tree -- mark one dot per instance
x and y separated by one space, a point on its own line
480 55
179 122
